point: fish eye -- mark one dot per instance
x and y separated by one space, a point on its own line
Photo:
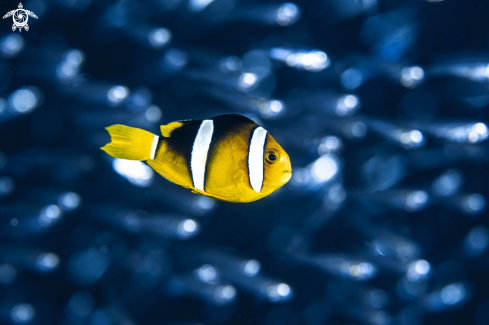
271 156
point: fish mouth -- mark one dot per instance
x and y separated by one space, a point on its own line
288 171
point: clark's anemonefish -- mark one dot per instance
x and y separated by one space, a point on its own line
228 157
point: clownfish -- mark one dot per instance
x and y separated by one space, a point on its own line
227 157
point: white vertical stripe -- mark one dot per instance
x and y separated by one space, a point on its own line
255 158
199 153
153 146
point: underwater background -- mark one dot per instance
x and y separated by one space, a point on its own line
382 106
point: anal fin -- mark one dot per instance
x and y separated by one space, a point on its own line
173 174
213 196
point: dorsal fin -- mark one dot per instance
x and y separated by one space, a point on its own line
166 130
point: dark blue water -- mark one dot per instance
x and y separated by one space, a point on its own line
382 107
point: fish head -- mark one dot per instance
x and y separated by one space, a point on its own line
277 167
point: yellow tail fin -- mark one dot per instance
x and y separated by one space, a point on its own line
130 143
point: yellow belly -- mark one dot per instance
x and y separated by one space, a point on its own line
227 173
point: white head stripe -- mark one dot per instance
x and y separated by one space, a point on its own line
255 158
199 153
153 146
